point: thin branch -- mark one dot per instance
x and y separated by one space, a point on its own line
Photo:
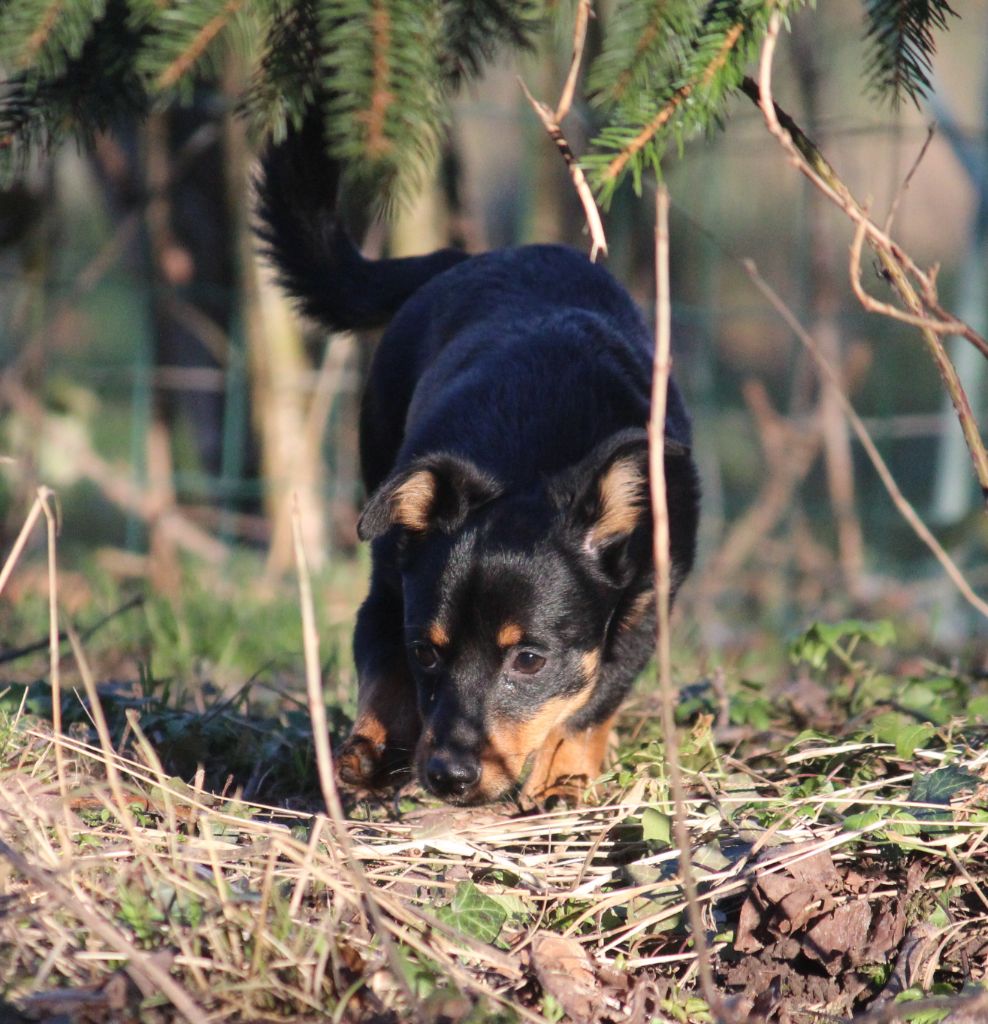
895 262
661 368
590 211
579 42
810 162
907 180
900 501
324 756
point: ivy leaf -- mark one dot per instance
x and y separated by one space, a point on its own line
473 913
939 787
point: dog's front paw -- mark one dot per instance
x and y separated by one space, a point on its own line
365 765
564 791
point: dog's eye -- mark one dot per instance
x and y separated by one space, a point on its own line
426 655
527 662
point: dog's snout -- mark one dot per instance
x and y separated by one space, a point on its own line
451 775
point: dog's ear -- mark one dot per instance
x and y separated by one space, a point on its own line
436 492
609 504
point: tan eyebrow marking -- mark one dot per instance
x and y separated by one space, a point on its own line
437 635
509 634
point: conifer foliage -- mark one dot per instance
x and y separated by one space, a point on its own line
381 71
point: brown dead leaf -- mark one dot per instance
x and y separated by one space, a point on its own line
839 937
566 972
888 928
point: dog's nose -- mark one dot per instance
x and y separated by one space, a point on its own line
448 775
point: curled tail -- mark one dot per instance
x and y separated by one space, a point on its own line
317 263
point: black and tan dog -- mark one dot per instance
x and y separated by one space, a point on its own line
504 450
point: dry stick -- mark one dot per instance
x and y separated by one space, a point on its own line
901 502
895 262
590 211
18 549
324 756
907 180
13 653
579 41
54 646
103 732
663 582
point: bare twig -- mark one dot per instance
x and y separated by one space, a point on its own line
45 497
583 11
590 211
896 263
900 501
907 180
663 586
20 543
324 758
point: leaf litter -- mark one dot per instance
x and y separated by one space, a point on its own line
835 873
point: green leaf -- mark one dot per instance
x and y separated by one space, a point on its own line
911 737
656 827
864 819
939 787
471 912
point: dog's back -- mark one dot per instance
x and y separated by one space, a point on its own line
541 334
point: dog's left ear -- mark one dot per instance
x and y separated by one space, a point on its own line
610 502
435 492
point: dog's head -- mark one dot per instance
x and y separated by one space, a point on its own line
510 597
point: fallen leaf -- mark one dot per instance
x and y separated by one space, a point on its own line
566 973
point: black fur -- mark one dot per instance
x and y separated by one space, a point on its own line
504 450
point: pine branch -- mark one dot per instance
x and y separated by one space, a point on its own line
901 41
473 31
667 80
97 88
287 81
41 37
384 102
186 41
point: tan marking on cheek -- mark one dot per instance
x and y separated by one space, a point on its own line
437 635
621 499
411 503
509 634
590 664
510 743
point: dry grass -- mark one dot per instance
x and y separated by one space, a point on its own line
129 894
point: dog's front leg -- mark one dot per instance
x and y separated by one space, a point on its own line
568 762
378 752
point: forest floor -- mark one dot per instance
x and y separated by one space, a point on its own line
165 851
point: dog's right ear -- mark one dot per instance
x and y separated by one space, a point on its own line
436 492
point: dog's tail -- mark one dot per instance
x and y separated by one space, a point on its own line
317 263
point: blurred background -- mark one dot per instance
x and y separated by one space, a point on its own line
153 376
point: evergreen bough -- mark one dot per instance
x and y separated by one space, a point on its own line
381 71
